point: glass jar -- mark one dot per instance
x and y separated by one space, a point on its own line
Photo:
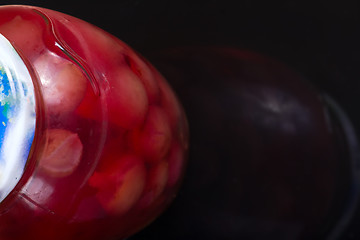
93 139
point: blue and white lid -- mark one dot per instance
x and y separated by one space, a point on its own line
17 116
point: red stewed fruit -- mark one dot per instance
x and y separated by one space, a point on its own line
111 137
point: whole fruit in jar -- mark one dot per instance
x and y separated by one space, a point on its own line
93 139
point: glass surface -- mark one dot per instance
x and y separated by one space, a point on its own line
111 137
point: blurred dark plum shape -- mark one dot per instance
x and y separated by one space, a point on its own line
268 159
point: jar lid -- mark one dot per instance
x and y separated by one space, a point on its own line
17 116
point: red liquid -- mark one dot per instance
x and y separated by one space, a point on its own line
111 137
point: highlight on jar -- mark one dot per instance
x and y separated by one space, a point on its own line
94 141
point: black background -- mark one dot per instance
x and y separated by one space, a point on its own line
319 39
